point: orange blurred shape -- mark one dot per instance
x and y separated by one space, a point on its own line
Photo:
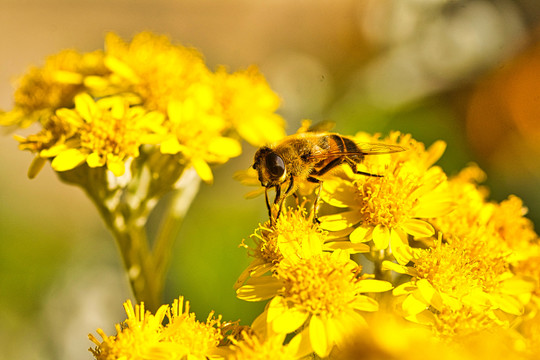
503 117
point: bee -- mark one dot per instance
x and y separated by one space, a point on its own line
309 156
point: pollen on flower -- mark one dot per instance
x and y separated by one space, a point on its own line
195 338
291 232
252 347
43 90
463 322
455 270
143 335
319 285
386 201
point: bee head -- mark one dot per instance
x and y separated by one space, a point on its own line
270 166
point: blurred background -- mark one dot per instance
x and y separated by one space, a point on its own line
467 72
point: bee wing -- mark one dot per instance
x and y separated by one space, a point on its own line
320 127
377 148
362 149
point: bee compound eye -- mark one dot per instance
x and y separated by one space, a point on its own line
275 165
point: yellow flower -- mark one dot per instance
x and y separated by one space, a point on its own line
197 340
391 339
389 208
460 286
199 138
317 294
249 105
154 68
43 90
142 336
107 132
252 347
291 235
137 338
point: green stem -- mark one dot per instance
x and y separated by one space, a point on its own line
179 204
133 247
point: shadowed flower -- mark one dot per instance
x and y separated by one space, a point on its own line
44 90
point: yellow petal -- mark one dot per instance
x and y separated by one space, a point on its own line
120 68
338 193
404 289
116 166
224 146
418 228
434 205
284 319
170 146
413 306
365 303
318 337
400 247
70 116
517 285
36 166
400 269
435 151
381 237
507 303
346 245
371 285
361 234
340 221
260 288
429 293
94 160
300 345
203 169
424 318
86 107
68 160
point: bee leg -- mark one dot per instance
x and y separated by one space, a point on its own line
332 164
315 207
268 203
352 165
281 199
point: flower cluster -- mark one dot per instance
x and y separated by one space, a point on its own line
100 108
461 267
144 336
393 263
377 267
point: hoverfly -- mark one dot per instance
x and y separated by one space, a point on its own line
309 156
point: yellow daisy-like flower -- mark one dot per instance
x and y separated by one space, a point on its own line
198 138
107 132
142 336
390 338
460 286
319 293
53 86
197 340
252 347
389 208
154 68
249 105
137 338
293 233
